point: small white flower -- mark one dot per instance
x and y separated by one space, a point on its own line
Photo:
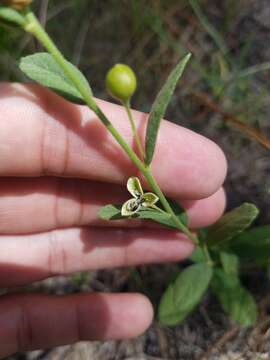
140 199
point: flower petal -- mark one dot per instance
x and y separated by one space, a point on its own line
150 199
134 187
130 207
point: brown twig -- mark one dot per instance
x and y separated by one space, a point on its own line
258 334
43 11
218 345
252 132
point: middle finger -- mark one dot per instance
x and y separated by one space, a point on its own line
29 205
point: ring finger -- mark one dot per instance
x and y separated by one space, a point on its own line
28 258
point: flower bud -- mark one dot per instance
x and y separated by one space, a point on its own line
16 4
121 82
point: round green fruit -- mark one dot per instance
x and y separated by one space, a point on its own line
121 82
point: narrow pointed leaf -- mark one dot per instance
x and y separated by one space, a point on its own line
184 294
42 68
162 218
236 301
232 224
12 16
159 108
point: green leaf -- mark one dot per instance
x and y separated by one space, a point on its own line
113 212
236 301
179 211
232 224
159 107
198 255
162 218
230 262
42 68
253 245
12 16
184 294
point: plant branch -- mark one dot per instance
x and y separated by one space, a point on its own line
36 29
152 182
33 26
134 129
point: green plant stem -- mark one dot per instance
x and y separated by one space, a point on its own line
158 209
154 185
207 254
33 26
134 129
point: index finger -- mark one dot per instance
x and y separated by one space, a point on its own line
43 134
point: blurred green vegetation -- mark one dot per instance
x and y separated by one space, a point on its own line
151 36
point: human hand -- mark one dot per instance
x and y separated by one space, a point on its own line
58 166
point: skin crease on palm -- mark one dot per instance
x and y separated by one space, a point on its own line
58 166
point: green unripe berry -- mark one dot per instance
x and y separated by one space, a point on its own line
121 82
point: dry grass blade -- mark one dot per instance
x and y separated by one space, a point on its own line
252 132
